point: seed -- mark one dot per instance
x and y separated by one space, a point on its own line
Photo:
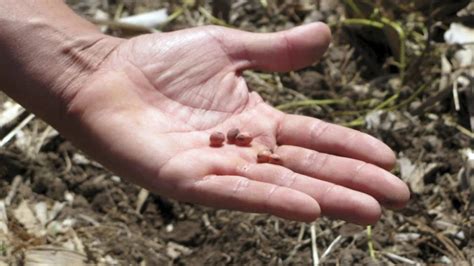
275 159
264 156
232 135
217 139
243 139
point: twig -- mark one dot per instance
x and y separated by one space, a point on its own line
387 102
68 163
141 198
448 244
314 248
354 8
17 129
14 188
457 105
301 233
412 72
461 129
439 249
3 218
42 139
294 250
399 258
432 101
411 98
123 25
89 219
355 123
299 244
119 11
281 87
363 22
331 246
311 103
207 223
361 120
370 243
213 19
401 34
176 14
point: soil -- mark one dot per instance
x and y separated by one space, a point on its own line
99 216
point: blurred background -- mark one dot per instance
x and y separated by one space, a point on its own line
400 70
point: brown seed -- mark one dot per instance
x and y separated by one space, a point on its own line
217 139
232 135
264 156
275 159
243 139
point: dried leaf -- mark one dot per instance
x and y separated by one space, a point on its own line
27 218
48 255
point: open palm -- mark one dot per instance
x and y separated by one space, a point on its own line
148 111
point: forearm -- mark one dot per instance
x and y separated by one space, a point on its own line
46 51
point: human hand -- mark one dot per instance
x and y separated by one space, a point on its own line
147 112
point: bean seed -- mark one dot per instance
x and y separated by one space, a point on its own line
243 139
276 159
264 156
217 139
232 135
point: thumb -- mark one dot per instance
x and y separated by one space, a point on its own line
281 51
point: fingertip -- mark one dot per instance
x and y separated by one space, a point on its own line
320 30
381 154
372 213
311 211
297 207
283 51
324 32
390 159
368 211
401 196
314 37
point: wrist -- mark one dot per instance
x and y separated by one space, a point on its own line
47 55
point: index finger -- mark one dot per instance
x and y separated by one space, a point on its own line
316 134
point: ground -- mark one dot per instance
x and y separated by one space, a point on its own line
383 78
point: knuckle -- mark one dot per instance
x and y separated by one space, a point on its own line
318 128
288 179
327 193
357 173
270 193
315 160
241 185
